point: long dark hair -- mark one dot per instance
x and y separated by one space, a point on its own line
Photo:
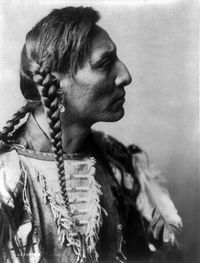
58 43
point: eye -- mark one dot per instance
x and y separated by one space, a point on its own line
106 63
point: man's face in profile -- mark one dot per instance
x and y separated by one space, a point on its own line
97 91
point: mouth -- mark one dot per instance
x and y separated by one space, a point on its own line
120 99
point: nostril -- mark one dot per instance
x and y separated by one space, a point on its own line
126 75
126 78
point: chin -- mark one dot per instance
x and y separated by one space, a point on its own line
115 116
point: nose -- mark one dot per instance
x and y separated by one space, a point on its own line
123 77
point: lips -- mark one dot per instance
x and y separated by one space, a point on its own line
120 98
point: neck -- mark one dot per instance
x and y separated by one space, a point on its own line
73 137
73 133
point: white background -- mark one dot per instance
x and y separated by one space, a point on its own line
158 41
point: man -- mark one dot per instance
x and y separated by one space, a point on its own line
70 194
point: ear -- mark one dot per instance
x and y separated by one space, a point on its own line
65 85
61 78
59 91
58 76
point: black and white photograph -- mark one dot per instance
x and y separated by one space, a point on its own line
99 131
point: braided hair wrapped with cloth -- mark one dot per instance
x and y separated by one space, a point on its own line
67 192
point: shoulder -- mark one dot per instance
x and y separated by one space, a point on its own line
112 144
10 174
122 159
117 152
10 162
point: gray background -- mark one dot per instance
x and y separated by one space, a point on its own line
158 41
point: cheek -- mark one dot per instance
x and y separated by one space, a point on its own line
94 87
88 92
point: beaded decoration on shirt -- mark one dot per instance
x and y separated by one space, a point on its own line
83 244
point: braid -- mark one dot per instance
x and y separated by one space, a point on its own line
46 85
6 135
58 43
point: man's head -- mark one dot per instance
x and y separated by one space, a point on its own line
80 58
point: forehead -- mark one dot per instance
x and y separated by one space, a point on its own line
101 43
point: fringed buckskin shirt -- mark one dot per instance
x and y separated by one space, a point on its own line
119 209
